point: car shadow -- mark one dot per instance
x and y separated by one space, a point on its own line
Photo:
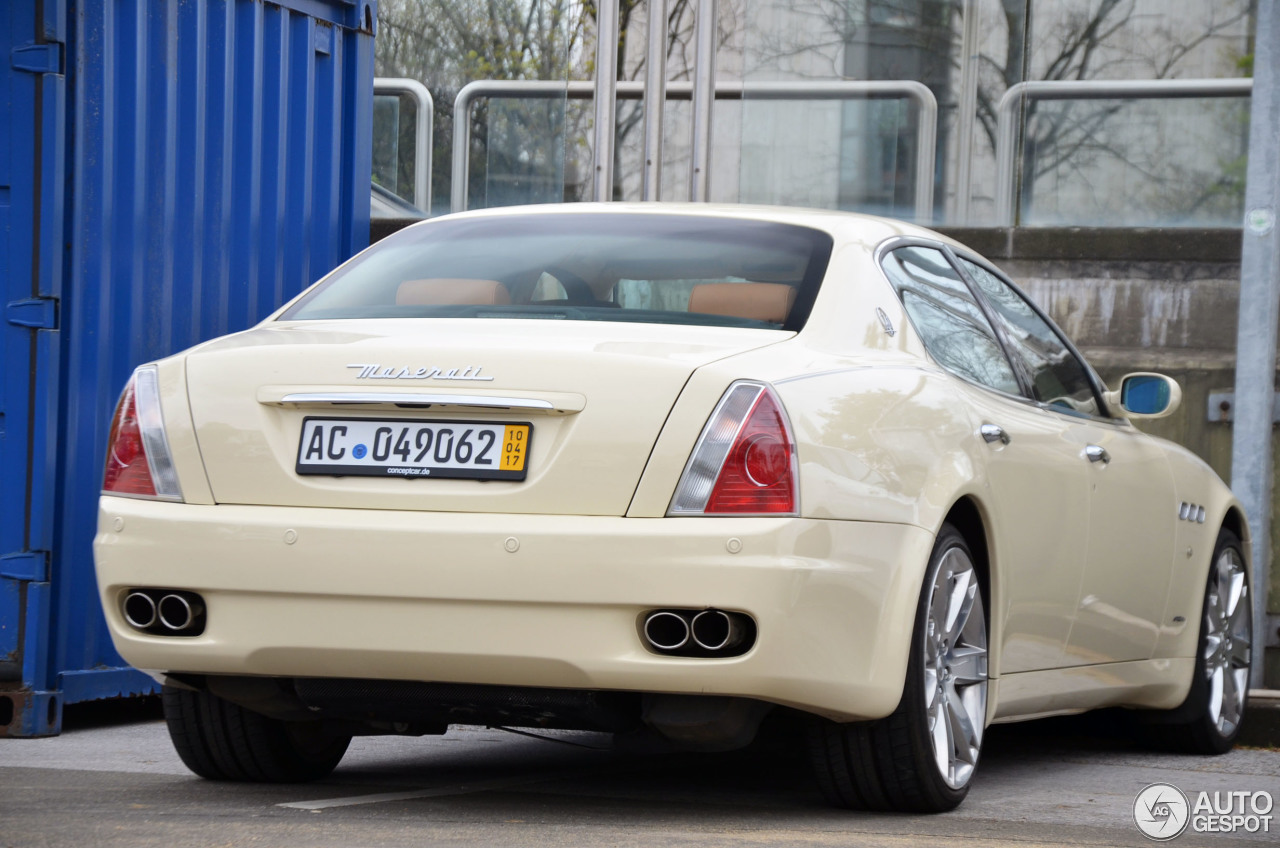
91 715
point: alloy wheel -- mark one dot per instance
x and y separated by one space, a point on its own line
1228 628
955 668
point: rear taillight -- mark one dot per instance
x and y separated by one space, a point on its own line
138 459
744 463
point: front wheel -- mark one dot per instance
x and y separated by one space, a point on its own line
220 740
1208 721
921 758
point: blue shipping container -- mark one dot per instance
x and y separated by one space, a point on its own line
170 170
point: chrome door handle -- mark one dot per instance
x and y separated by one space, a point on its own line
1097 453
992 433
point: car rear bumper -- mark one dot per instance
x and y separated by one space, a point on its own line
521 600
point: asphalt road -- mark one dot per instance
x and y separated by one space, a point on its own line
118 783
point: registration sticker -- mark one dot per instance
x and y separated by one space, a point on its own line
468 450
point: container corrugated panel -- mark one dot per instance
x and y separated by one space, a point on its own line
217 162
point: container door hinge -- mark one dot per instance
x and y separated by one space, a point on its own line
37 58
39 313
27 565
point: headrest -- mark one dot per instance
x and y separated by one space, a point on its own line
755 301
453 292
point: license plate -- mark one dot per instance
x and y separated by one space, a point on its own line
469 450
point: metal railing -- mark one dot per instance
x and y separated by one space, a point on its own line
1007 125
655 83
394 87
926 131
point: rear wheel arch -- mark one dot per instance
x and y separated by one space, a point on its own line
921 757
968 517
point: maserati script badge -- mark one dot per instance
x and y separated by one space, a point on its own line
391 372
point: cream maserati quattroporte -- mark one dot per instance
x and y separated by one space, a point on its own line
663 469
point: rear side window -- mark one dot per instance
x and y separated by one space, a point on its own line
950 323
668 269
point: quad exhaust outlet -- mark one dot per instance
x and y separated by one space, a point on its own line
666 631
716 630
698 633
164 612
140 610
176 612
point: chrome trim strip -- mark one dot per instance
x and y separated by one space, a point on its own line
797 377
487 402
893 242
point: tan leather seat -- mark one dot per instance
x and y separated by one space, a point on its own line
754 301
453 292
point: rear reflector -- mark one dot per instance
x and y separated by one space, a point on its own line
138 459
744 463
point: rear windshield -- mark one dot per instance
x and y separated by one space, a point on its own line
665 269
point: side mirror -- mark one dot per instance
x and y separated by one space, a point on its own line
1146 395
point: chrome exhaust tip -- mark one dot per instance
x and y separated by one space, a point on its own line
666 631
715 630
139 610
176 612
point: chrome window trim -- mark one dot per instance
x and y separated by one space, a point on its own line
893 243
952 252
1092 376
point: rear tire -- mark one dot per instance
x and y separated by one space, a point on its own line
1208 721
921 757
219 740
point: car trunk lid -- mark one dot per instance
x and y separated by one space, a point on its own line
595 396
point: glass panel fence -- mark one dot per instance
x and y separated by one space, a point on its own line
791 126
1133 162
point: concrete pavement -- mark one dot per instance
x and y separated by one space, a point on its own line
1058 782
